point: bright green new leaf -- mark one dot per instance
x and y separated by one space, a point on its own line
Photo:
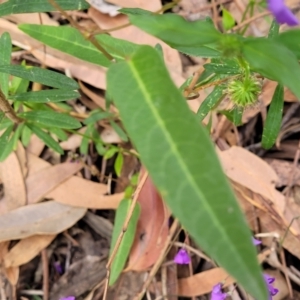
274 117
34 6
119 164
46 77
181 160
228 20
125 246
46 96
5 53
46 138
211 101
173 29
273 61
51 119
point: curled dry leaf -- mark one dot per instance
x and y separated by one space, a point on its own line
43 218
27 249
12 274
152 228
12 178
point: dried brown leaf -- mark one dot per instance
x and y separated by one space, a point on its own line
42 182
12 177
43 218
27 249
12 274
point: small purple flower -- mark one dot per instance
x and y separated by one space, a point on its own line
269 280
282 13
255 242
217 294
182 257
58 267
68 298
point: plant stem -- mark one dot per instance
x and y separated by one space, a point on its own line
8 110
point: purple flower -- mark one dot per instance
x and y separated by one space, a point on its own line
182 257
255 242
269 280
217 294
58 267
282 13
68 298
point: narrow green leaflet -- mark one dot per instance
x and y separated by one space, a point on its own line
223 66
97 116
203 51
46 96
25 136
173 29
46 77
5 136
71 41
5 53
68 40
291 39
274 29
210 102
273 61
125 246
29 6
119 164
119 131
181 160
46 138
274 117
51 119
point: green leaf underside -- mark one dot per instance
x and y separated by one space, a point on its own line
210 102
46 96
46 77
181 160
128 238
30 6
273 61
174 29
274 117
51 119
5 54
46 138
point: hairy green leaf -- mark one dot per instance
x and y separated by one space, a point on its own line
33 6
51 119
46 77
274 117
46 96
128 238
181 160
173 29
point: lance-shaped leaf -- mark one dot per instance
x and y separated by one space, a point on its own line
29 6
274 117
5 46
182 162
173 29
46 77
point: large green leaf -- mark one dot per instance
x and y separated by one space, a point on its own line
274 118
40 75
5 53
125 246
291 39
51 119
29 6
71 41
46 96
274 61
174 29
181 160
